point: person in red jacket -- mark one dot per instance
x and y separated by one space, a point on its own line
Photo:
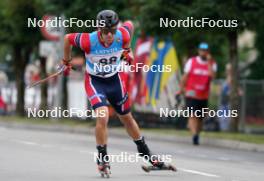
3 106
195 85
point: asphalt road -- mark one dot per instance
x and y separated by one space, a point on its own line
27 155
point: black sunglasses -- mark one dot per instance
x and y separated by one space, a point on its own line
107 30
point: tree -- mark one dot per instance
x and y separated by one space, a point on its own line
246 12
257 68
20 38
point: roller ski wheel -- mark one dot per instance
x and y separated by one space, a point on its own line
155 168
104 170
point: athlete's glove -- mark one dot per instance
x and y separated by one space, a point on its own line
127 55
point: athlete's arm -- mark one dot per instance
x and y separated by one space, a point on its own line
67 49
187 68
127 30
81 40
183 83
212 69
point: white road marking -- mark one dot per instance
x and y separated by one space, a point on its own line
224 158
199 173
190 171
92 153
32 143
26 142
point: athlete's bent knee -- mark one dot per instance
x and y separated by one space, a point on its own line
102 120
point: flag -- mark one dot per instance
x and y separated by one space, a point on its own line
163 55
137 86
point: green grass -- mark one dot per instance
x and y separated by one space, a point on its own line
46 121
254 126
249 138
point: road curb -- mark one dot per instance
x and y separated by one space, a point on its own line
221 143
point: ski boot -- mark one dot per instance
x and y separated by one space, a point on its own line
156 164
103 161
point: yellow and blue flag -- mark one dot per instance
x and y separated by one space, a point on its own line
163 54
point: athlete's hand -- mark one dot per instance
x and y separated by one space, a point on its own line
212 72
67 66
209 57
181 91
127 56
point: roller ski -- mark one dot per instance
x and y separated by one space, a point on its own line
155 163
104 170
157 168
102 161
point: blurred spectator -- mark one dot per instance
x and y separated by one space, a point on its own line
195 84
3 105
224 121
3 78
32 96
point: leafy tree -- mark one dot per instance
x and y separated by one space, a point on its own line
246 12
257 68
22 40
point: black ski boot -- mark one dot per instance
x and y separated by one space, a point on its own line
153 159
103 161
144 151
